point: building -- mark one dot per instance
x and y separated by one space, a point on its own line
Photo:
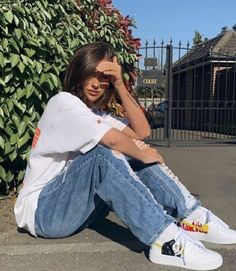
204 84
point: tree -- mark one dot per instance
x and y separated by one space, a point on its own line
197 39
37 39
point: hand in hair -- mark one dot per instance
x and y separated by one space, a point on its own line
113 70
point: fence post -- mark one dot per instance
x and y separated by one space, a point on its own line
169 61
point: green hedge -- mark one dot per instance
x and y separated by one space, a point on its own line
37 38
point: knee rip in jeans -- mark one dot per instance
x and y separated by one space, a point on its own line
122 157
190 200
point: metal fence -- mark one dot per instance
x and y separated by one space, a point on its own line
198 86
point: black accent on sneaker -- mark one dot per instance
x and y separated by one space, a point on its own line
167 249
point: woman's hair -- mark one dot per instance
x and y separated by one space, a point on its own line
83 65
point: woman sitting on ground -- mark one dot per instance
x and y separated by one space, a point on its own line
83 159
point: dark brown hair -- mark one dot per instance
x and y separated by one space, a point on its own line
83 65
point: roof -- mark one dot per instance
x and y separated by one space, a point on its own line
221 47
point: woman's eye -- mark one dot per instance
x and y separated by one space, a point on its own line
104 78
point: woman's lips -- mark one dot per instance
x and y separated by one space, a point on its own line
93 93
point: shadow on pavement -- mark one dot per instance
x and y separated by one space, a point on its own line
118 234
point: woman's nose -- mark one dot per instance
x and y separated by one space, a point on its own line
95 83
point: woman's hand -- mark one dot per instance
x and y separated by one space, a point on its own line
150 155
113 71
140 144
137 119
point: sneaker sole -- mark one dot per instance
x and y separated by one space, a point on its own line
203 237
165 260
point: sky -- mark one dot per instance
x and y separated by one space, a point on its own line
178 19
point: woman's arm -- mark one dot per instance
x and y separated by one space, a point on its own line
117 140
139 124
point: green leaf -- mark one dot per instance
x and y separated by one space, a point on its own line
34 42
2 60
20 175
2 82
1 112
9 130
21 93
12 156
2 173
29 52
55 79
101 19
16 20
8 148
18 33
14 60
21 129
1 122
29 87
126 76
34 28
39 67
2 142
5 110
9 16
21 107
5 43
10 105
43 78
7 77
14 44
23 23
18 9
16 120
10 176
13 139
30 91
21 67
23 140
26 60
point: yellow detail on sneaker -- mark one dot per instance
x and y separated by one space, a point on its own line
156 244
194 226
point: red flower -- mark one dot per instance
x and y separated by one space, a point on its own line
105 2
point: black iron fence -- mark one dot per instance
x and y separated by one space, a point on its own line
189 93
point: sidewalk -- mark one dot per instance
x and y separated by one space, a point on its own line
209 172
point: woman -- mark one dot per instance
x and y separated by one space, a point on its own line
83 158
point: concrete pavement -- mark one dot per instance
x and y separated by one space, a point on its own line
207 171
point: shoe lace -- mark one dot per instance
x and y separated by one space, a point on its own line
213 219
182 241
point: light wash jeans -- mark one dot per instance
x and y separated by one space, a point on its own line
144 196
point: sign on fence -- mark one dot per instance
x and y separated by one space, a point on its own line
150 78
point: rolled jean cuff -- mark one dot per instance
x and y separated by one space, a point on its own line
159 232
195 206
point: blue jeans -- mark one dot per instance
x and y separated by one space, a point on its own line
143 196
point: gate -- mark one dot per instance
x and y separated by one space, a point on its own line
189 94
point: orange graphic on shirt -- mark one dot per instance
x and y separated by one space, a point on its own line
36 137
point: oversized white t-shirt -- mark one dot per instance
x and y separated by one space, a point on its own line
67 128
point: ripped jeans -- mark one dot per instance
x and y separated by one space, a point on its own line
144 196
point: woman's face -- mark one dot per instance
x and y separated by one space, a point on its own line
95 86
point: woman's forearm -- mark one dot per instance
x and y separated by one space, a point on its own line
117 140
134 112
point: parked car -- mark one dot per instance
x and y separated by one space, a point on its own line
156 114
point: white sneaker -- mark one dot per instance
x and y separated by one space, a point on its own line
185 252
208 227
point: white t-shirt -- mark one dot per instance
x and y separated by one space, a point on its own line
67 128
